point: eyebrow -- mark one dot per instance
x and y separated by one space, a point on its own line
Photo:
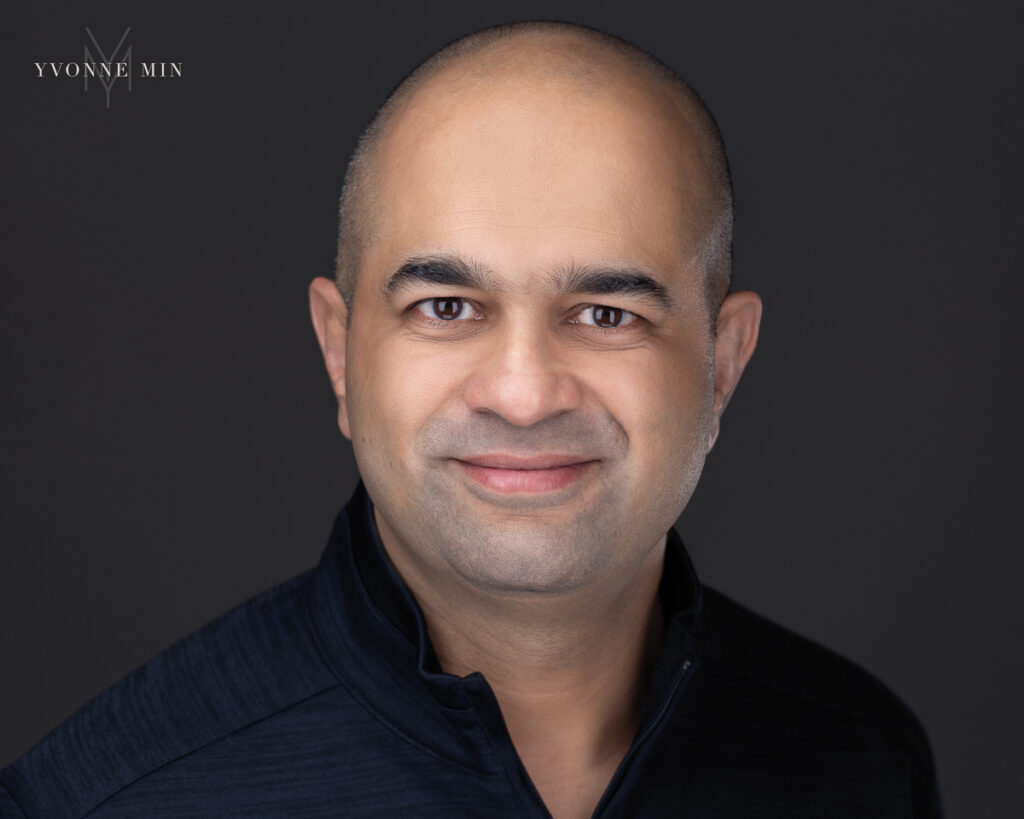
452 271
448 271
626 282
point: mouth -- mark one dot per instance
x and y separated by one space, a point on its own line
533 475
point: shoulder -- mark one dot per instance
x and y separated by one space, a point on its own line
252 662
813 684
768 655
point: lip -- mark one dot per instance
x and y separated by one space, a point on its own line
515 474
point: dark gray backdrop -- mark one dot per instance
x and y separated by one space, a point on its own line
168 438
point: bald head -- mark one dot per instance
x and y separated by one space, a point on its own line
523 62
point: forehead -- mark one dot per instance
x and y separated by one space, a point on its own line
526 169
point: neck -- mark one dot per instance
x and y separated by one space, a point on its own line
570 671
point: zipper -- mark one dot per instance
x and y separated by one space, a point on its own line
621 770
532 787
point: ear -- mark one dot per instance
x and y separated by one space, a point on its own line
735 340
330 317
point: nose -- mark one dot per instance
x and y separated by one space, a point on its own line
522 378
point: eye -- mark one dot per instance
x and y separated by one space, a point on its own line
445 308
605 317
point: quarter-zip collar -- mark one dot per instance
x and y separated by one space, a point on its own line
374 636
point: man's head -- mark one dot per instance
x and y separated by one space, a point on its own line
533 349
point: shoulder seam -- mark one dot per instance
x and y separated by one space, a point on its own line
289 586
831 706
123 786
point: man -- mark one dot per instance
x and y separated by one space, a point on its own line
532 343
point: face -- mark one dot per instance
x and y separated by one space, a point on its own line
528 375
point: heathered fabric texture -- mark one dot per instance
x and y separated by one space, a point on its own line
323 697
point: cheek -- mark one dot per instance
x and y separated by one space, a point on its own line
663 401
394 388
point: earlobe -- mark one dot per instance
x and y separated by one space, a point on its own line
739 321
329 314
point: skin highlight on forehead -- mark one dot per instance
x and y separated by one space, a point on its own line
481 152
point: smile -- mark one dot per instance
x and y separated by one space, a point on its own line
512 474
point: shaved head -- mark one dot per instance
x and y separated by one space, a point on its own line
578 61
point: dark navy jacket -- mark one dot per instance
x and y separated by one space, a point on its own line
323 697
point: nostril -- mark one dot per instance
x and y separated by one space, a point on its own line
521 399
